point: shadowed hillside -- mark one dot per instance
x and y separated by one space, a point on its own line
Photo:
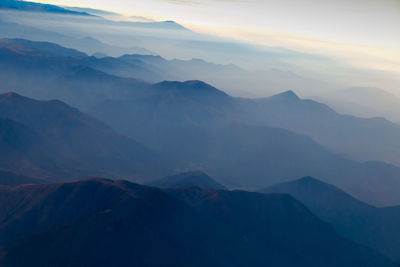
188 179
60 141
353 219
103 222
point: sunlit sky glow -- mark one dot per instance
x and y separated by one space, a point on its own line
361 33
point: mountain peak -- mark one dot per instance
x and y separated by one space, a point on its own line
174 25
309 180
307 189
189 179
190 87
12 96
290 95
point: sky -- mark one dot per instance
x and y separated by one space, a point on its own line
370 22
360 33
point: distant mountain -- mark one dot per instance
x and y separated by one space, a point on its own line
173 24
92 11
188 179
16 30
357 138
51 131
365 102
87 44
191 122
158 25
263 83
184 111
149 68
38 49
91 45
66 75
141 19
37 7
100 222
227 138
353 219
23 151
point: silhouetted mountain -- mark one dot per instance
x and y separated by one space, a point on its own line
149 68
78 143
353 219
189 121
188 179
168 112
15 30
285 96
204 121
67 75
102 223
262 83
37 7
38 49
88 44
24 151
361 139
155 25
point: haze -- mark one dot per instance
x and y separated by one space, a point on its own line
273 125
358 34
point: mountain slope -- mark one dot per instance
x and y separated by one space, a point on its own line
358 138
188 179
209 126
103 222
37 7
38 49
169 113
189 121
353 219
78 143
47 71
365 102
24 152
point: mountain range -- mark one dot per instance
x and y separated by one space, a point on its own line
200 159
85 44
49 139
236 140
365 102
352 218
262 81
118 223
196 124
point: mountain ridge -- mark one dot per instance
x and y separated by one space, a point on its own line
195 223
38 7
80 144
188 179
352 218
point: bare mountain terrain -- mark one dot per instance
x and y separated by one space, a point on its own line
103 222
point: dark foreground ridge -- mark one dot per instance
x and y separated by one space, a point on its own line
188 179
352 218
101 222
